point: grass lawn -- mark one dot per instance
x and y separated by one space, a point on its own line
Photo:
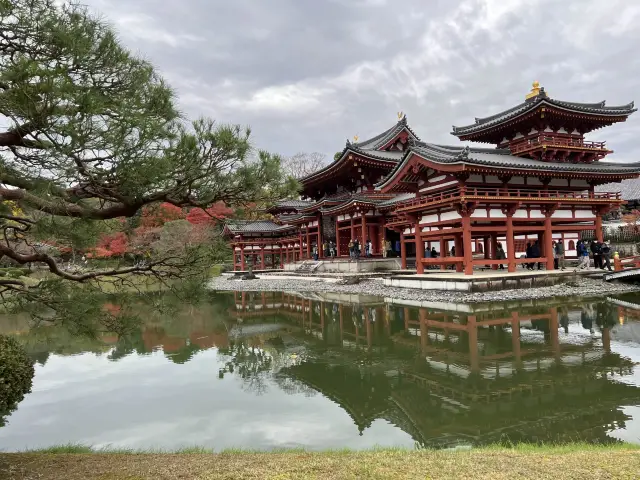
495 463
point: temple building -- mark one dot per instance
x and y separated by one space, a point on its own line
535 181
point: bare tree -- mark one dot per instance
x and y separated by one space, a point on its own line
302 163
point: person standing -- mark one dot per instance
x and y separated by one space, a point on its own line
560 255
529 254
606 256
500 255
596 251
434 253
315 252
356 248
583 255
555 255
351 250
368 248
427 254
383 244
535 253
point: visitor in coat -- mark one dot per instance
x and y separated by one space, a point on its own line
315 252
383 247
368 248
500 255
535 253
427 254
583 256
555 256
352 253
596 251
560 255
434 253
605 250
529 254
356 248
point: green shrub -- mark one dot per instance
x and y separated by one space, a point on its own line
16 375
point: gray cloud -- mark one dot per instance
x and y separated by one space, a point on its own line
307 75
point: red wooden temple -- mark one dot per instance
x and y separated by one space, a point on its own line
536 183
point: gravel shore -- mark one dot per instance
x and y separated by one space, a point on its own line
578 287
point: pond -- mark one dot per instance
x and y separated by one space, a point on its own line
282 370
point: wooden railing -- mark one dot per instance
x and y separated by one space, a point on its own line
550 141
502 193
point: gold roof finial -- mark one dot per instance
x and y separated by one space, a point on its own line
535 91
355 138
400 115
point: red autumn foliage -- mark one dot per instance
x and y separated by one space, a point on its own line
218 211
114 245
158 215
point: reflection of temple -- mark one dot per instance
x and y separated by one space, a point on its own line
544 373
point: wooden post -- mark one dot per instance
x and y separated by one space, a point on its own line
308 243
242 260
466 245
300 246
599 235
403 253
511 249
262 264
494 249
443 251
353 229
337 238
457 243
419 246
548 242
364 232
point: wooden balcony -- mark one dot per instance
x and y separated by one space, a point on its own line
467 194
563 143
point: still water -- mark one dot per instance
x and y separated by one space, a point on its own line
274 370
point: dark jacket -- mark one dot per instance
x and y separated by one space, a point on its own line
500 254
535 251
605 250
559 248
596 248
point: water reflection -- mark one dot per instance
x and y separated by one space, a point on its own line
441 374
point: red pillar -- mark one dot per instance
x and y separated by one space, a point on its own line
338 238
300 245
262 264
511 253
242 260
419 246
457 242
308 243
599 235
548 242
353 230
364 231
472 330
466 245
443 252
403 253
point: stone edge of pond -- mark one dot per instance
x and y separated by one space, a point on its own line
582 287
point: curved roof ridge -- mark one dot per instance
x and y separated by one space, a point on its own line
592 108
382 138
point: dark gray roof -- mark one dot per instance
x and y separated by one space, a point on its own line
629 189
398 198
501 158
598 108
292 204
254 226
384 137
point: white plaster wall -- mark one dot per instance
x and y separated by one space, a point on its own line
479 213
496 213
449 216
533 181
520 214
516 181
475 178
559 182
536 214
492 179
579 183
429 218
584 214
562 214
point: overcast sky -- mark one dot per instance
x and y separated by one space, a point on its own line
308 74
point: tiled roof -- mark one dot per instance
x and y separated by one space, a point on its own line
254 226
591 108
384 137
292 204
398 198
629 189
501 158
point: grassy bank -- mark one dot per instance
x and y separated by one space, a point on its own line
576 461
